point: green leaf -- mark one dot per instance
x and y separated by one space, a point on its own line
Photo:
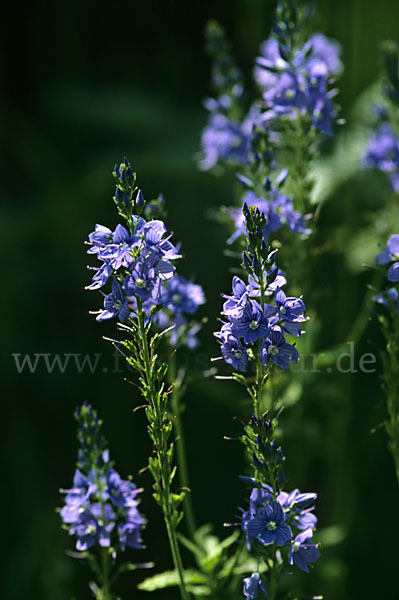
170 579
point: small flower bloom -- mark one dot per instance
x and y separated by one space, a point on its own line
303 551
105 518
393 273
77 498
223 141
252 325
235 304
268 526
276 349
130 531
115 305
182 296
141 281
296 500
99 238
101 277
387 298
85 530
119 253
382 153
121 492
290 309
253 585
234 353
154 232
390 252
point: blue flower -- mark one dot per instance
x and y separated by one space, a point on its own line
253 585
130 531
303 551
105 516
296 500
77 498
234 353
269 526
223 141
388 297
115 305
284 209
101 276
121 492
321 55
259 497
100 237
94 524
290 309
302 86
181 295
277 209
304 519
298 508
382 153
390 252
142 279
393 273
153 233
85 529
119 253
388 255
252 325
235 304
276 349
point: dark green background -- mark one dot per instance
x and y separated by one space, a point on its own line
85 83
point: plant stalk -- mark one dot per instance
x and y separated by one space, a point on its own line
153 398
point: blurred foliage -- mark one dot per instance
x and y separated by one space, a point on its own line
83 85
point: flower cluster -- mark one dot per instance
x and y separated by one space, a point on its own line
299 82
137 259
268 520
382 150
253 325
227 141
382 153
275 518
389 256
100 508
277 208
294 79
180 298
227 137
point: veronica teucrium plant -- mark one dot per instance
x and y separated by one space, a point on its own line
271 144
151 304
256 320
101 509
387 262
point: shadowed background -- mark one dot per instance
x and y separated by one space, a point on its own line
85 83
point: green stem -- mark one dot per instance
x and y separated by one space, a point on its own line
259 389
105 591
153 398
106 586
273 580
181 448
